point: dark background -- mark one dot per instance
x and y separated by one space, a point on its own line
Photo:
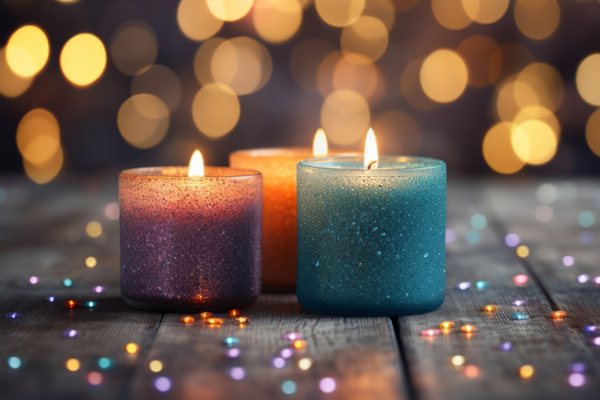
282 113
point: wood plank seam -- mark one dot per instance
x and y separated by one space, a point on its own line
411 390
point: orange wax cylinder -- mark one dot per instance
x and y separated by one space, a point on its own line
279 244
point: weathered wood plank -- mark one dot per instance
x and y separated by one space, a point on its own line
359 353
538 341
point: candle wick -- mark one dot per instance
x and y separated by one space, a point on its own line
372 164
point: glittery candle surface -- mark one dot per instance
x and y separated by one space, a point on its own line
279 249
190 243
371 242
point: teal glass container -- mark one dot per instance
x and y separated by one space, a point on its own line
371 242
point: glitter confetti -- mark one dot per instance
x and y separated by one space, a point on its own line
505 346
12 315
519 302
489 308
526 371
430 332
231 341
327 385
519 316
71 304
559 314
291 336
162 384
187 319
155 366
520 280
468 328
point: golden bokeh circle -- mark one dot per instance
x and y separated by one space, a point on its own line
444 76
133 47
588 79
229 10
83 59
196 21
339 13
498 149
450 14
534 141
277 21
27 51
537 19
38 136
367 36
160 81
215 110
478 51
143 120
345 116
485 11
592 132
11 84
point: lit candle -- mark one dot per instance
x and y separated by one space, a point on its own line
190 237
371 234
279 244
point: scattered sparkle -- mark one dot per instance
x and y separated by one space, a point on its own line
468 328
299 344
327 385
596 341
520 279
286 353
205 315
95 378
519 316
187 319
215 322
596 280
463 285
237 373
34 280
559 314
430 332
71 304
51 299
505 346
132 348
577 379
162 384
578 367
481 285
457 360
512 240
67 282
446 325
105 363
288 387
91 262
234 313
304 363
526 371
489 308
472 371
12 315
242 320
14 362
155 366
70 333
583 278
520 302
233 352
291 336
591 330
278 362
522 251
231 341
91 304
568 261
99 289
72 365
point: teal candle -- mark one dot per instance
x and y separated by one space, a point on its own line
371 241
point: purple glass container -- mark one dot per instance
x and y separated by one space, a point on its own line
190 243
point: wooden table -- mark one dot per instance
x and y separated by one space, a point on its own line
43 234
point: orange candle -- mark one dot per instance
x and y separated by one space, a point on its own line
278 167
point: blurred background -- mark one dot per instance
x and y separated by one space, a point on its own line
493 87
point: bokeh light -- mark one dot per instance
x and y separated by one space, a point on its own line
354 72
159 81
339 13
196 21
588 79
241 63
202 60
537 19
477 52
367 36
411 89
450 14
383 10
133 47
305 60
485 11
443 76
38 136
592 132
11 84
229 10
545 81
27 51
534 141
83 59
498 149
215 110
143 120
345 116
276 21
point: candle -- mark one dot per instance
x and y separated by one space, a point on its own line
371 234
279 243
190 237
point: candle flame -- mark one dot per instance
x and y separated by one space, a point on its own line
196 164
371 155
320 144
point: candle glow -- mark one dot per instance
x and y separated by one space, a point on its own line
371 154
320 147
196 167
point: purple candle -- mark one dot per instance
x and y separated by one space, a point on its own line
190 240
